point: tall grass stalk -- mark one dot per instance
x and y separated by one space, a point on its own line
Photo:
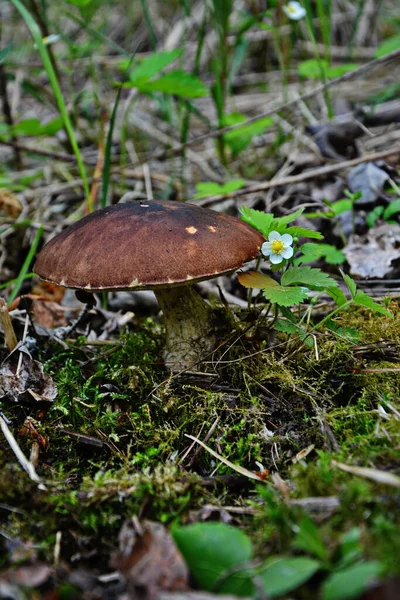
58 95
27 263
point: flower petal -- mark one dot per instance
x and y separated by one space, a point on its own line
287 252
287 239
274 235
276 259
266 248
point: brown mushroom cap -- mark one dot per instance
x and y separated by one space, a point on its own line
147 245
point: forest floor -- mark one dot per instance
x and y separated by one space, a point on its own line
274 467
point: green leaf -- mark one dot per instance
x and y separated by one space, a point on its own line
351 582
388 46
374 215
285 296
304 232
351 284
257 219
312 68
210 550
312 252
350 547
211 188
362 299
307 276
289 218
309 539
286 326
241 137
341 206
79 2
150 66
4 52
337 295
177 83
338 70
392 209
282 575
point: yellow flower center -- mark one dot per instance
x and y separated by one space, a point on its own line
292 9
277 246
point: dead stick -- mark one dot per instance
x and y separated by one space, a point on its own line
9 333
393 56
312 174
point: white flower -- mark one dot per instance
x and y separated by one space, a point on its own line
50 39
278 247
294 10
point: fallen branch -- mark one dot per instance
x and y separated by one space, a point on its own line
291 179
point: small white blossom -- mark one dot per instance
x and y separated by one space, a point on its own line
278 247
50 39
294 10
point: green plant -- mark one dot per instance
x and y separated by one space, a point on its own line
221 559
296 281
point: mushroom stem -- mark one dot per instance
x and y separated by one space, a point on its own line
189 326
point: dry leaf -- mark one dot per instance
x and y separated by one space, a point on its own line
376 254
149 560
254 279
25 382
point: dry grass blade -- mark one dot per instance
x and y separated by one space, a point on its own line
23 461
368 473
228 463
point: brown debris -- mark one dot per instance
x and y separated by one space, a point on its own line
149 560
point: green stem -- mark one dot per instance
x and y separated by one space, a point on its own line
36 34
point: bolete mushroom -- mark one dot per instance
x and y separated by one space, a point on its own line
156 245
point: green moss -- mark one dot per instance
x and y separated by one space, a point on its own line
117 444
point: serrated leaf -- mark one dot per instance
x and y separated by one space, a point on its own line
286 326
312 252
337 295
211 188
177 83
257 219
304 232
256 280
362 299
351 284
288 218
282 575
285 296
307 276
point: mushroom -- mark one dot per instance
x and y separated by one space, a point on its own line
163 246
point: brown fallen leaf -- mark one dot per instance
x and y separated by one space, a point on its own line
149 560
49 314
23 379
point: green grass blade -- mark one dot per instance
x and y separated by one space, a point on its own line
27 263
36 34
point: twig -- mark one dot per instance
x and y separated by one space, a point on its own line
311 174
23 461
9 334
283 107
